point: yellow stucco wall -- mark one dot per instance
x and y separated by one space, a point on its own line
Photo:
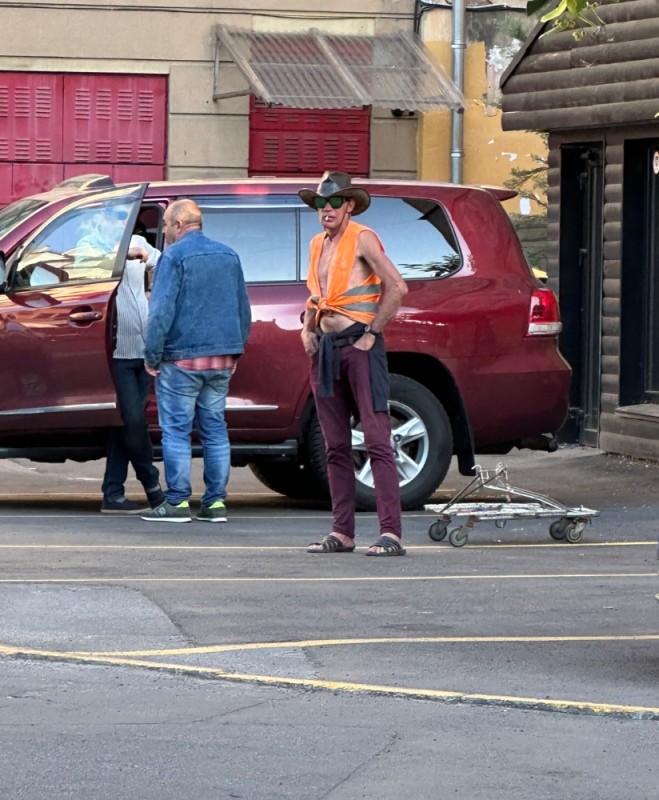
489 153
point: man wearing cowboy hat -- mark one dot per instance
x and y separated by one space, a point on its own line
355 290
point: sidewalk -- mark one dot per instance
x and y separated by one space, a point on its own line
625 488
575 476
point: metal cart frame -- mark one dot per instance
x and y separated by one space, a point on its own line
568 527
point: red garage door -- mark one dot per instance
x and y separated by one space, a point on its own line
54 126
286 142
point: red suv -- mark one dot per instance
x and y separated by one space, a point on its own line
473 352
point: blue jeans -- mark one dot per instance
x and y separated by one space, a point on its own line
185 397
131 443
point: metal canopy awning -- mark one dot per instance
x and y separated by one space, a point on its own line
314 69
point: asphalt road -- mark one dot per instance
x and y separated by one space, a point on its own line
221 661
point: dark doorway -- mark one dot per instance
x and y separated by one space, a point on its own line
639 328
580 281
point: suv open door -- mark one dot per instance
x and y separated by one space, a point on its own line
54 315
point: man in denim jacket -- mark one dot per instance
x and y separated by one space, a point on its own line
199 321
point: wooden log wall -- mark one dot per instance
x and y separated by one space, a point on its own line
600 90
609 77
631 431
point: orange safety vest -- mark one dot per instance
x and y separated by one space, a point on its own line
359 303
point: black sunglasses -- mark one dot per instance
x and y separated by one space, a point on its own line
319 202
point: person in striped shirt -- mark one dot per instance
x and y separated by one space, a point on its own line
131 444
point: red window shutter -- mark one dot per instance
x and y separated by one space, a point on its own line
57 126
30 117
292 141
114 119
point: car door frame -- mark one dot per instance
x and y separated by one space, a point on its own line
68 324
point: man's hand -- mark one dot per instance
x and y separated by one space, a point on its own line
309 342
365 342
137 254
153 371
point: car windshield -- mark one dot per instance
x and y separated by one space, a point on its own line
14 214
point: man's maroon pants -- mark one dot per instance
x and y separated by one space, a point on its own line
334 414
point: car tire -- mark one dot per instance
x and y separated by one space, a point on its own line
290 479
423 455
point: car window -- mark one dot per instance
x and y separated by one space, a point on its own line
14 214
79 245
416 235
263 232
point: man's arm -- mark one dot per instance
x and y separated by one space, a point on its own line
393 288
308 334
244 307
309 338
140 249
161 311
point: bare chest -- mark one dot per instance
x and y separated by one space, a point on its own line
358 270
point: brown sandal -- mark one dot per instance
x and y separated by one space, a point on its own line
330 544
390 547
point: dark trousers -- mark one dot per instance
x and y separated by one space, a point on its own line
354 389
132 443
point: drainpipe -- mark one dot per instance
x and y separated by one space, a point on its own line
458 45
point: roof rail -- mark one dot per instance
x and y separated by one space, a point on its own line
91 181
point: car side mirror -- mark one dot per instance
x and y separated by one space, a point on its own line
3 272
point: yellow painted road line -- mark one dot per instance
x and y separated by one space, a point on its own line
553 545
237 499
434 548
109 518
337 579
303 644
525 703
85 547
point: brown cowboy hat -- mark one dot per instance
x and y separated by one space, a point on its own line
338 184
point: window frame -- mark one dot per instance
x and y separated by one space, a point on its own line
127 198
293 203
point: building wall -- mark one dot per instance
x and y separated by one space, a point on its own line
600 89
492 38
206 138
631 430
628 430
563 82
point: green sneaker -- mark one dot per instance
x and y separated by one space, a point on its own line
166 512
216 512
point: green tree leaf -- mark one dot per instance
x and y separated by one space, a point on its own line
561 8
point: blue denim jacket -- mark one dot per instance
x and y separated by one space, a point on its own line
199 304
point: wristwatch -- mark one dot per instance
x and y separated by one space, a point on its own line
368 329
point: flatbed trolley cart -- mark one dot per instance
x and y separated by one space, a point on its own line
568 527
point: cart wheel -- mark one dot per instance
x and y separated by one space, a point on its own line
557 530
458 537
574 531
437 531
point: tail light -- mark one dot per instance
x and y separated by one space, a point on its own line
544 315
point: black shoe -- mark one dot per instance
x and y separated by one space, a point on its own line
122 506
156 497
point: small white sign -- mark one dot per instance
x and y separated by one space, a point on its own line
655 162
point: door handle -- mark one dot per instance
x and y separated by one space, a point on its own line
85 316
